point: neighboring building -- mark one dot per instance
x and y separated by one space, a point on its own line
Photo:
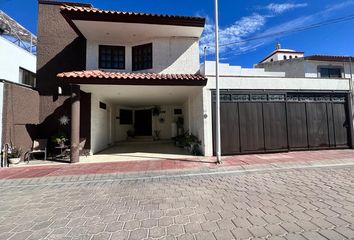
17 67
280 54
315 66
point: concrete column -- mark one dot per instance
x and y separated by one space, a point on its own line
75 124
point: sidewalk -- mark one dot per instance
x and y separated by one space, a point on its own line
203 164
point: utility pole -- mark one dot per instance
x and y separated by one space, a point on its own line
218 134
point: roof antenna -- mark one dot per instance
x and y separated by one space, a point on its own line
278 46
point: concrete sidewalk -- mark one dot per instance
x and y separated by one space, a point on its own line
186 166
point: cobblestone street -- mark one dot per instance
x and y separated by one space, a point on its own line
286 204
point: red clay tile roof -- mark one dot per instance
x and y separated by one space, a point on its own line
329 58
124 78
133 16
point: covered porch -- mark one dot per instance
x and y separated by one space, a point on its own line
141 121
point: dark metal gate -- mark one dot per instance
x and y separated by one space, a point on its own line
282 121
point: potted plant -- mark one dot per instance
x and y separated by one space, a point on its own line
189 142
14 155
59 139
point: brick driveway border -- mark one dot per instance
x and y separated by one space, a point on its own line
240 163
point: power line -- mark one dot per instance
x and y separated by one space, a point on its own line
294 30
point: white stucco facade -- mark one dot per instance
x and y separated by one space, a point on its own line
237 78
12 57
174 55
102 124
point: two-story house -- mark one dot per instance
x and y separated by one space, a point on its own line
120 66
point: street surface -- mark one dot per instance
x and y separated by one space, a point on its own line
284 204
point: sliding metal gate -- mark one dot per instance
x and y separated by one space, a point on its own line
254 122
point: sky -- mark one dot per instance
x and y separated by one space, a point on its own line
267 21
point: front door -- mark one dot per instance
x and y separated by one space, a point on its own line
143 122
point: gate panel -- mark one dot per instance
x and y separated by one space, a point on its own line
229 128
297 125
259 121
275 130
332 140
317 121
340 125
251 127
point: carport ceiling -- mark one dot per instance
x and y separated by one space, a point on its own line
139 96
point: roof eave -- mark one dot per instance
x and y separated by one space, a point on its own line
329 58
140 82
127 18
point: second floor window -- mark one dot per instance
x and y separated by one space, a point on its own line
27 77
142 57
111 57
330 72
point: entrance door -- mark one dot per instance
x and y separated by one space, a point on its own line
143 123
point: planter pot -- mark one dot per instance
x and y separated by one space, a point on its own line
15 160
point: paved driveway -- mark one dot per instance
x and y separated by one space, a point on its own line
287 204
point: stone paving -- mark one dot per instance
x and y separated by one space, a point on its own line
291 204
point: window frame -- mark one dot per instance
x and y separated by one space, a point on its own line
320 68
141 65
32 77
111 57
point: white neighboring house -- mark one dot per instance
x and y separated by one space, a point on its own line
17 64
315 66
280 54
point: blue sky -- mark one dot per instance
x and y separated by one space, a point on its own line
239 21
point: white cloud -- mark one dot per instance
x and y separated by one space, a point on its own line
279 8
255 26
234 33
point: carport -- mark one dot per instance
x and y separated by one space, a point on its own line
125 103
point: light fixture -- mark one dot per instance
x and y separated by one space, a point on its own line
64 120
